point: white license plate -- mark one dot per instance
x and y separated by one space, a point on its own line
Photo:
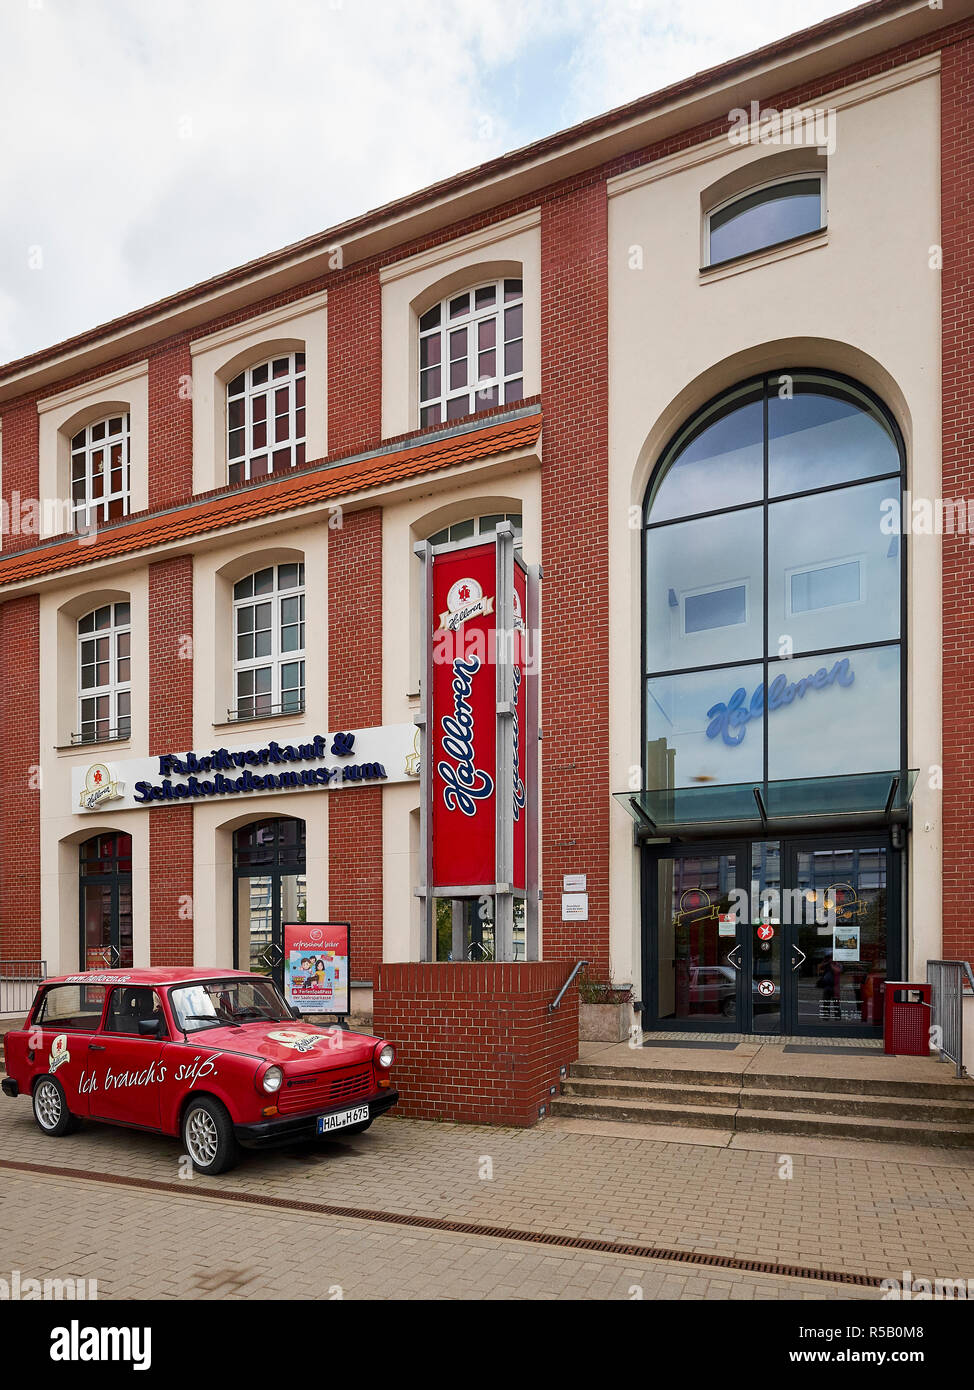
326 1123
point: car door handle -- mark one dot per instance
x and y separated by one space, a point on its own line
95 1047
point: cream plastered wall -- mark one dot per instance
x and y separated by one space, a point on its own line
861 299
61 831
215 570
219 357
413 285
502 488
62 415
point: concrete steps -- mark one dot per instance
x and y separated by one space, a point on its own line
938 1113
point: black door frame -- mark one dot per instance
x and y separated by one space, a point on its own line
791 845
279 863
115 882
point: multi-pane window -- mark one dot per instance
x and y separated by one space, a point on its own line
105 674
471 352
268 635
477 526
100 472
773 592
266 418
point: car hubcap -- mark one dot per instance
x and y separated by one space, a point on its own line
201 1138
48 1105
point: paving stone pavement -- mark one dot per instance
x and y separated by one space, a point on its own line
868 1215
147 1245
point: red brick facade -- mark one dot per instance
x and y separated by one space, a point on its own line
477 1042
170 426
354 363
20 795
170 731
957 231
355 702
575 613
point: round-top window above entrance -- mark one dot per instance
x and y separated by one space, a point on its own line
773 588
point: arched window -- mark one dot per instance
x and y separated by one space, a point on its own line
269 870
266 418
268 634
477 526
471 352
773 589
100 488
105 910
104 674
763 217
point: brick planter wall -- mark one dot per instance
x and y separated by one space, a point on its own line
475 1042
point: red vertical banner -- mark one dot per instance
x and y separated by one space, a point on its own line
520 728
463 728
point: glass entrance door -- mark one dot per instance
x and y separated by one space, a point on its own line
699 970
803 949
841 945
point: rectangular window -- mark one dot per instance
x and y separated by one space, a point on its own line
715 608
826 586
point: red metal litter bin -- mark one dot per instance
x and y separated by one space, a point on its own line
906 1018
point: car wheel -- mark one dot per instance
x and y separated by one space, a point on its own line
358 1129
51 1108
209 1137
729 1008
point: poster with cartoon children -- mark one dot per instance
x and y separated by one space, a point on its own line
316 967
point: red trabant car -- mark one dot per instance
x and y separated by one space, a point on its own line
216 1056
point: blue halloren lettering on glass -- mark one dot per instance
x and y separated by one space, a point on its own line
729 721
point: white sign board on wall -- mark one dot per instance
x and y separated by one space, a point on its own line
352 758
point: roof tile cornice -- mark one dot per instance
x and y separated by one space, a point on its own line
322 483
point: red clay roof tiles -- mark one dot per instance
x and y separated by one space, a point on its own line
282 494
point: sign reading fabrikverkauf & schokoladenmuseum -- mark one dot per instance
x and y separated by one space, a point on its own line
348 758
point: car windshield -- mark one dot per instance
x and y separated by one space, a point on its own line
217 1003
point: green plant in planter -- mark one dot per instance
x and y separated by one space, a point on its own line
595 991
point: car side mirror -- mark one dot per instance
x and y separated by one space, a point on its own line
150 1027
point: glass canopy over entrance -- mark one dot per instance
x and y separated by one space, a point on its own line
745 808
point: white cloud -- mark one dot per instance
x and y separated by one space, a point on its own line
146 147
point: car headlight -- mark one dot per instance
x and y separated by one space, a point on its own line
271 1080
386 1055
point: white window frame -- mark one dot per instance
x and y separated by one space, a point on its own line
296 442
117 691
445 536
89 509
714 589
743 193
473 393
277 658
859 560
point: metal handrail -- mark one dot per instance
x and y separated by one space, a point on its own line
562 992
18 984
946 978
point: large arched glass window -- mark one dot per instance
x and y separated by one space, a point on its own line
773 590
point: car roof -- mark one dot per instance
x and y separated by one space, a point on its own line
150 975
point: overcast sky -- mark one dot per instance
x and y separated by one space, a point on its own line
146 146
